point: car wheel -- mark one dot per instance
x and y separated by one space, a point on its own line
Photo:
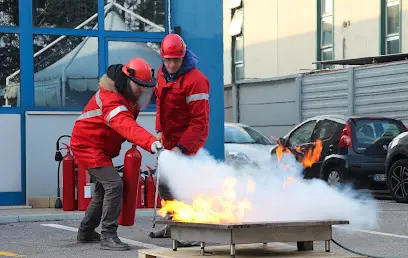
333 176
397 181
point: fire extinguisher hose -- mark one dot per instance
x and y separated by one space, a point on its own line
156 194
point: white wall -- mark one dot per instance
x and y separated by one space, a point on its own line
361 37
42 132
279 40
10 153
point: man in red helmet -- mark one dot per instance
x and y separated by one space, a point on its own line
182 116
107 121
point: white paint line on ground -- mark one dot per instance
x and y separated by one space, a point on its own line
371 232
125 240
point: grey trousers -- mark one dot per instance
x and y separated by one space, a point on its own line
106 202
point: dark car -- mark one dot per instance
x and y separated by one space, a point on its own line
396 165
354 148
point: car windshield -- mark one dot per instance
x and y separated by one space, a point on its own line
371 131
242 135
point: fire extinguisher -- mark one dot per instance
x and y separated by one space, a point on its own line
84 188
66 162
151 191
131 182
68 181
141 192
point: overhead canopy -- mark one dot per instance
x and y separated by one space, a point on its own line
366 60
81 65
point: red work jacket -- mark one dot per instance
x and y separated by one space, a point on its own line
182 110
106 122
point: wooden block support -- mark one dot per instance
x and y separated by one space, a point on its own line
275 250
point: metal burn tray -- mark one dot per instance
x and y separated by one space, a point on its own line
302 232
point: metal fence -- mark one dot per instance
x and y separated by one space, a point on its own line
273 106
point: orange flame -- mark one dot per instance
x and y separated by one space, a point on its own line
311 156
210 209
225 208
288 181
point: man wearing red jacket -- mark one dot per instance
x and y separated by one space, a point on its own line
182 93
107 121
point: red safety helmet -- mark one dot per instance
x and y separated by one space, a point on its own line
140 72
173 46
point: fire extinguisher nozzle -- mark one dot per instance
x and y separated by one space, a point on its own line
58 156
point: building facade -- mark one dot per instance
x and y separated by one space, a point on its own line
53 53
274 38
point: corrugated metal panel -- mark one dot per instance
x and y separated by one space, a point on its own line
270 106
324 94
382 91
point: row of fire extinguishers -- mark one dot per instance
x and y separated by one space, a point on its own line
77 186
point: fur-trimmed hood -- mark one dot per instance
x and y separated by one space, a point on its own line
107 83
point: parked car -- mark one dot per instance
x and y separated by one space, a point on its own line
354 148
396 164
244 144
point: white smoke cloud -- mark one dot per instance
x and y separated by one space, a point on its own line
274 199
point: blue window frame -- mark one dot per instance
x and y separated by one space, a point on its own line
32 33
24 36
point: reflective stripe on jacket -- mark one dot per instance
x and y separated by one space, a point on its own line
183 110
106 122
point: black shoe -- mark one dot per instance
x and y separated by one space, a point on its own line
114 243
88 237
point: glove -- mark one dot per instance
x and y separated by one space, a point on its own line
156 147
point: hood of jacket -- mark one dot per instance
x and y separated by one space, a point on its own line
190 61
107 83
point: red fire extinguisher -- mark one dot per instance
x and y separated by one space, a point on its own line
141 192
84 188
151 191
68 181
131 182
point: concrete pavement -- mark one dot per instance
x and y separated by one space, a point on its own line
57 238
13 215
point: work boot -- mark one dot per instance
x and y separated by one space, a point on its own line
114 243
88 237
163 233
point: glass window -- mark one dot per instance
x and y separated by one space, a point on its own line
121 51
239 72
327 54
327 31
244 135
234 3
131 15
9 13
327 7
302 134
65 13
370 132
237 22
393 17
9 70
325 129
65 70
239 49
393 45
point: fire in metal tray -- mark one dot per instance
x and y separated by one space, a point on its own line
225 208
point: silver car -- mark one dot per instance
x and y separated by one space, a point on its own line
244 145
